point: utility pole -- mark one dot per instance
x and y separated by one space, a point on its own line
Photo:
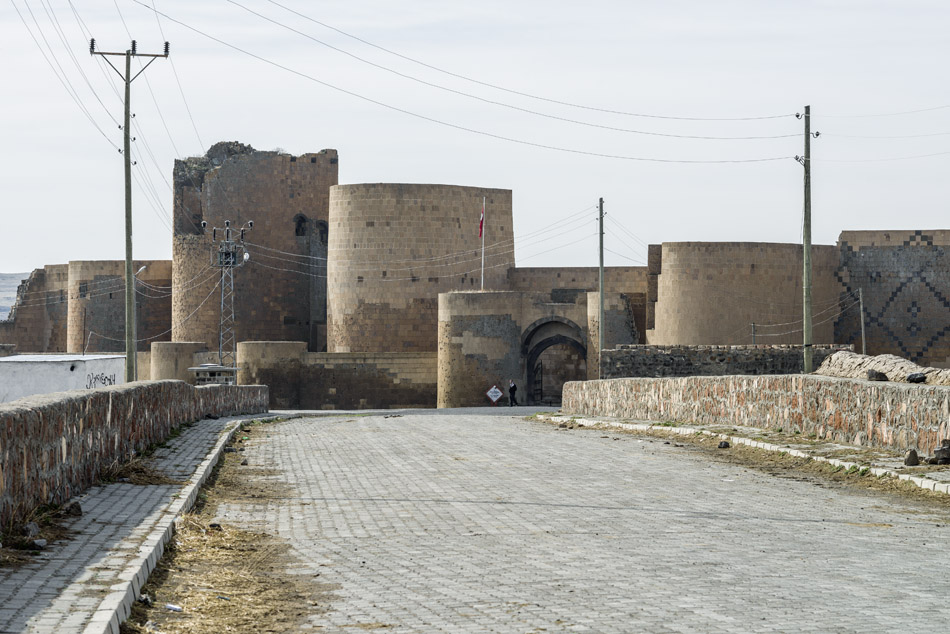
225 257
127 78
864 345
600 315
807 350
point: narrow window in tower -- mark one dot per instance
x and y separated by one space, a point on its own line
301 225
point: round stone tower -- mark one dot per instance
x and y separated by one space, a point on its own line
394 247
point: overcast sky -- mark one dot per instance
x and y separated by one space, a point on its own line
61 178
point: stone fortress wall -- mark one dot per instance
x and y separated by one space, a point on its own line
395 247
280 294
487 338
372 269
95 319
905 281
37 321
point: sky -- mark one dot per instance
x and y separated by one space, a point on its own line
561 102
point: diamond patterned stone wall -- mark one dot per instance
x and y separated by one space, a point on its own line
905 277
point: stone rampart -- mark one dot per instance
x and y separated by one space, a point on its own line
318 380
52 447
37 320
904 276
95 321
897 416
660 361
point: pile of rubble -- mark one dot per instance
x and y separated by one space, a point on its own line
883 367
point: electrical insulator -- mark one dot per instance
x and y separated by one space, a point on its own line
92 46
134 46
166 49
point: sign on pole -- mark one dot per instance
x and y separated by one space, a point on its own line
494 394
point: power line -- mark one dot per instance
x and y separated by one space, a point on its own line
500 103
885 136
451 125
884 114
178 81
62 79
883 160
520 93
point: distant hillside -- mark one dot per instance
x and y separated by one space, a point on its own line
8 284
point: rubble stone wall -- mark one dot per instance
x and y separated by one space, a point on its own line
658 361
52 447
893 415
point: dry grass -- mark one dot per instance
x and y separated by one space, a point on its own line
135 471
224 578
784 465
18 549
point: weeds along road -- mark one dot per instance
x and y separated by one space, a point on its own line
482 521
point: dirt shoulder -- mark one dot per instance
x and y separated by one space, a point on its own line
224 578
776 463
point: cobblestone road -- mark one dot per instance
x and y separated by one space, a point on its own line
487 523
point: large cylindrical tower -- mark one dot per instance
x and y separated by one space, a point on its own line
710 293
394 247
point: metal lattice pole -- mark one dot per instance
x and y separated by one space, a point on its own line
228 255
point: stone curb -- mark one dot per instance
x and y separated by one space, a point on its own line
922 482
117 605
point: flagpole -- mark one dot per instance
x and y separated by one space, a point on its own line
483 242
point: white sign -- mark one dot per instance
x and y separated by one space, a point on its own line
494 394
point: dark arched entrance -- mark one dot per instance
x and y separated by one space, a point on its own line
553 354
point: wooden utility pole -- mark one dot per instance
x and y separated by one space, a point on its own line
864 343
806 251
127 78
600 316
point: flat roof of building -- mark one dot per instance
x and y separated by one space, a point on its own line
35 358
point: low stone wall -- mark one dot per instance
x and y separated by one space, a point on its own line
893 415
53 446
659 361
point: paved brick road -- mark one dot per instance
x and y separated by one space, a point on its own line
486 523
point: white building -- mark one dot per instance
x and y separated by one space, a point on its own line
28 374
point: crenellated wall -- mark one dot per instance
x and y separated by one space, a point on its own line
52 447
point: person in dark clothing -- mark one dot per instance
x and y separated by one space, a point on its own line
512 388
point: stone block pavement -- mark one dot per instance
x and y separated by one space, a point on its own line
456 521
87 583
